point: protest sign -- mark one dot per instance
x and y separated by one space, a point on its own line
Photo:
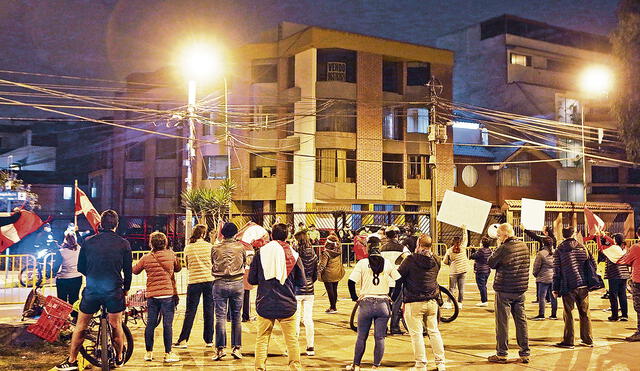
458 209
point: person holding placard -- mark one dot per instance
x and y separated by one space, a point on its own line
456 258
543 272
547 232
482 269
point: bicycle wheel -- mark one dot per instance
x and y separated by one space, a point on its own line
26 276
449 311
90 349
104 344
353 321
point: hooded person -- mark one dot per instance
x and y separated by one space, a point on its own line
331 270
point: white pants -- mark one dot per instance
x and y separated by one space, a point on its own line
413 316
305 313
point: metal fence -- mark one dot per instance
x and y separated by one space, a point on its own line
20 273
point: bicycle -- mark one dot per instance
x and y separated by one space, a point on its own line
444 315
39 272
136 309
100 351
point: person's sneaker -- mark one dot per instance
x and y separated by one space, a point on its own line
67 366
171 357
285 353
605 296
482 304
587 345
236 353
607 310
497 359
219 354
524 359
311 351
612 318
553 317
634 337
351 367
148 356
182 344
459 305
624 319
396 331
564 345
209 345
534 302
331 311
538 318
119 362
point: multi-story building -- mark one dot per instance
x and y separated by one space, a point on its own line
319 119
534 69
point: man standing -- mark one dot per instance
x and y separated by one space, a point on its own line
569 282
511 262
392 250
632 258
277 270
105 260
227 268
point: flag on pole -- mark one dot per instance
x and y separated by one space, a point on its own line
84 206
592 221
15 227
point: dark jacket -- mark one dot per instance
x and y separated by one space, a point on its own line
568 272
419 277
310 264
273 300
227 260
543 267
392 245
481 257
330 267
612 270
539 237
511 262
105 259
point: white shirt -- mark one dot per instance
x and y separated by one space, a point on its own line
362 275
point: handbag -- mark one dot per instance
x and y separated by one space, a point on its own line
592 278
176 298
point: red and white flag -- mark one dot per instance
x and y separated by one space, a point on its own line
84 206
593 222
15 227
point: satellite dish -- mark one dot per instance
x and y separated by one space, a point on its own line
469 176
492 231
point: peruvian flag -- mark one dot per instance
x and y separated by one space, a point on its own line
15 227
84 206
593 222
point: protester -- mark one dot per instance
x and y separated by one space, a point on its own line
314 234
68 279
228 260
511 262
421 292
105 261
547 232
305 294
375 276
301 227
393 250
482 269
331 270
617 275
632 258
246 297
197 256
543 272
277 270
569 282
456 258
410 240
160 265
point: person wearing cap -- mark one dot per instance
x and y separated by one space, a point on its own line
227 267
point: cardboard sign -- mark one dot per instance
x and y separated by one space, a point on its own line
532 214
458 209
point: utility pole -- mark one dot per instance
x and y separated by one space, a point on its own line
437 134
191 108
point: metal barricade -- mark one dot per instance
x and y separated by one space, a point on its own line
440 249
17 278
592 248
533 246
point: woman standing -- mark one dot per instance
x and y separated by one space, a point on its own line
160 265
197 256
68 279
304 294
376 278
456 258
482 269
617 275
331 270
543 272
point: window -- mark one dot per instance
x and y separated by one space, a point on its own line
134 188
419 167
215 167
291 71
392 124
391 76
572 158
633 176
417 120
516 175
392 174
264 71
335 166
336 65
561 66
568 110
166 187
522 60
166 148
339 116
95 187
134 151
263 165
571 190
604 174
418 73
67 193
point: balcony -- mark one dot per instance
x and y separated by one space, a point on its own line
335 191
261 189
393 194
418 189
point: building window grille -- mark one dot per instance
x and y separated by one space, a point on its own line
336 71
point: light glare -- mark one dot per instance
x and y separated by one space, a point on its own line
200 62
597 80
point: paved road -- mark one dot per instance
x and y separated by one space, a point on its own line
468 341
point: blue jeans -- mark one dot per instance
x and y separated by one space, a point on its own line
233 292
543 289
194 291
376 311
481 281
156 308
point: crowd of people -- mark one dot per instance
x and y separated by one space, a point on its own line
391 280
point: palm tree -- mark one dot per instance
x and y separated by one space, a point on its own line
209 205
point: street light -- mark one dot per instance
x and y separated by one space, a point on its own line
199 62
594 81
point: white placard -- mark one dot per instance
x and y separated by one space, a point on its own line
458 209
532 214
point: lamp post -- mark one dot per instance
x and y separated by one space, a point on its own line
594 81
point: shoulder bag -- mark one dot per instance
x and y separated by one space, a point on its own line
172 277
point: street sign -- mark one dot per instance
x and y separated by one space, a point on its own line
13 196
